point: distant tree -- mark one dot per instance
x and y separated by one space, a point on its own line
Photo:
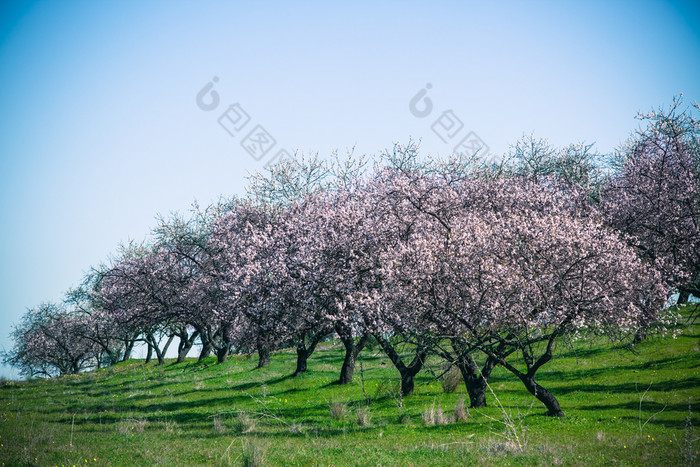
96 323
48 342
183 243
98 327
577 165
293 179
137 298
303 311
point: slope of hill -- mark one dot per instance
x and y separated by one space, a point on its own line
623 407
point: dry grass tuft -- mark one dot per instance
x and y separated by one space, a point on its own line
500 448
337 409
245 423
363 417
253 454
219 425
460 412
434 416
130 426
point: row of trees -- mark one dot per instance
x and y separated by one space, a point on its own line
472 261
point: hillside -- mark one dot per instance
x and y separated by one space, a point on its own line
623 407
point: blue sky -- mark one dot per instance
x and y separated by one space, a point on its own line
100 130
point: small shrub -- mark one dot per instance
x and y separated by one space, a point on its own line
429 416
513 431
198 384
363 417
387 388
337 409
451 379
460 412
405 419
253 454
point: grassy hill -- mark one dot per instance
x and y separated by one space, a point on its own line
622 408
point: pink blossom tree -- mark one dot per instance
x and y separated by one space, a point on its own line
96 324
654 195
526 279
334 264
244 255
47 342
301 307
290 192
456 273
138 300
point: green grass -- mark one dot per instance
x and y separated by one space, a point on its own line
229 414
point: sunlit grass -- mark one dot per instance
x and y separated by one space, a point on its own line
208 414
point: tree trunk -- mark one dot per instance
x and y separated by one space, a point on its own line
640 335
222 354
543 395
128 347
183 350
352 350
304 352
407 383
302 357
206 350
161 353
149 353
475 380
185 345
263 356
407 372
348 368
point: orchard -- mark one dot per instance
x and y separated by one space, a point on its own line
475 262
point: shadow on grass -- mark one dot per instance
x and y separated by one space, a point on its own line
648 408
550 375
692 382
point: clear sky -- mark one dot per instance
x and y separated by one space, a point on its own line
100 129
